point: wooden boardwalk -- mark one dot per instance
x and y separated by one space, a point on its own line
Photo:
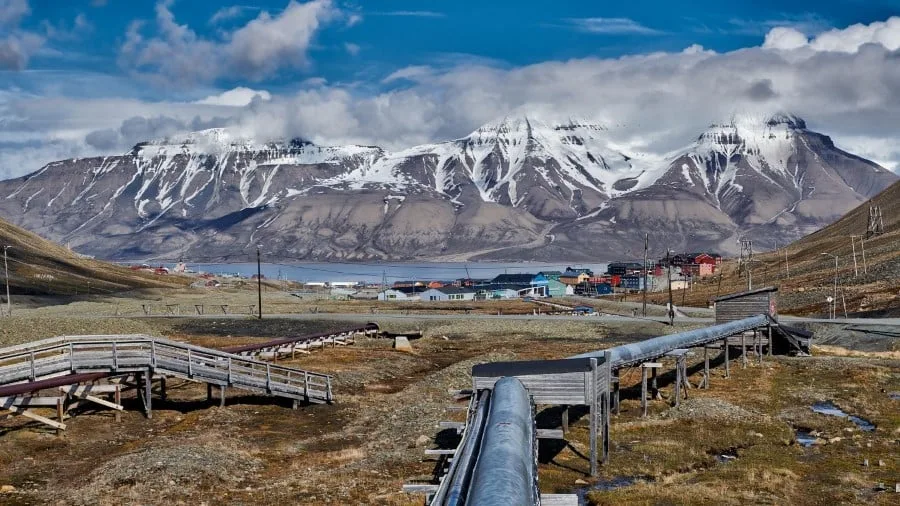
64 361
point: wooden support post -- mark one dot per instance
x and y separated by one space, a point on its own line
222 396
684 376
759 350
769 328
60 413
743 351
727 364
643 391
148 401
615 394
705 367
593 406
607 357
565 419
654 386
117 399
678 381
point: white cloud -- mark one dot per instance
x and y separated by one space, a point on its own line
16 45
254 51
237 97
411 73
611 26
850 39
12 12
652 103
351 48
785 38
846 40
229 13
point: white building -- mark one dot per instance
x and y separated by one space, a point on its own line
399 294
448 293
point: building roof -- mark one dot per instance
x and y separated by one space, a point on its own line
579 271
503 286
513 279
407 289
551 273
744 294
453 290
626 264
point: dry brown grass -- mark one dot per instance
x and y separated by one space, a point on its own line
811 274
39 266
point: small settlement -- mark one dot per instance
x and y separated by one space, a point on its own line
620 277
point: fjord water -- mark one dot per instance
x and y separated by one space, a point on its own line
375 273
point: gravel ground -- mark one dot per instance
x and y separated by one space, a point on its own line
166 471
710 408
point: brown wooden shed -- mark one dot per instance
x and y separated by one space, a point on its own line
737 306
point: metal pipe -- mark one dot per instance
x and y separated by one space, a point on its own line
460 471
634 353
504 472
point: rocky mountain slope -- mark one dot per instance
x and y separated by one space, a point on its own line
518 188
805 276
40 267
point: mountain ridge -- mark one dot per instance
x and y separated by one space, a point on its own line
516 188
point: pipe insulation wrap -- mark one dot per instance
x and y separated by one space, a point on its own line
504 472
629 354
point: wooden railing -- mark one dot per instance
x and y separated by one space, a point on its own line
127 353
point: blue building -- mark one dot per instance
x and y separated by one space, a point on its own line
634 282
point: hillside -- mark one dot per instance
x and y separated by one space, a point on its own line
519 188
40 267
875 290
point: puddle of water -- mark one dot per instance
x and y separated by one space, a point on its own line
805 439
827 408
894 395
724 457
606 485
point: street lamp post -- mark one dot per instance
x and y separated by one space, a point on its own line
6 269
834 295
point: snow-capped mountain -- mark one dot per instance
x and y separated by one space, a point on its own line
516 188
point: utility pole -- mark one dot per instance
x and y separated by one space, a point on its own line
6 268
787 267
671 307
834 296
646 253
259 281
747 248
862 244
862 247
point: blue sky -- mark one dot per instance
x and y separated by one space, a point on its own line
397 72
393 34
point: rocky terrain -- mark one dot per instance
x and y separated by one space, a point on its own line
805 276
40 267
516 189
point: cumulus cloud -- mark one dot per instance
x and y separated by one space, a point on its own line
16 45
652 103
846 40
237 97
254 51
140 129
783 37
